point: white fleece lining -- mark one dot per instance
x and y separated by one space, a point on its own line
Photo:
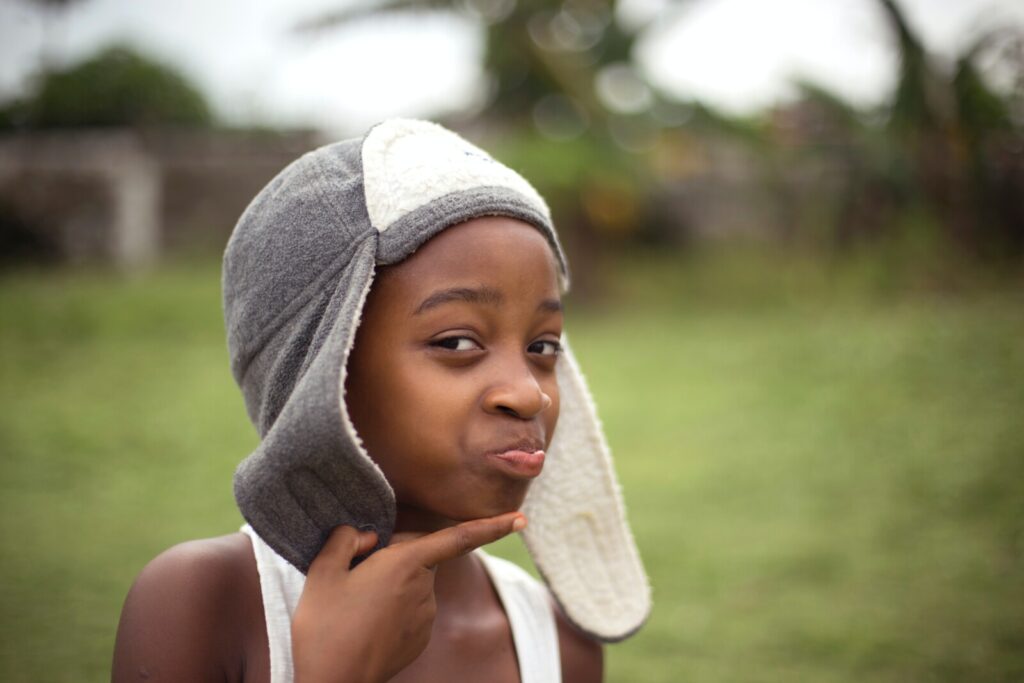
407 164
578 535
350 428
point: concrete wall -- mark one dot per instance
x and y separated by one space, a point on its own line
130 197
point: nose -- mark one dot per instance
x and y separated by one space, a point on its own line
518 394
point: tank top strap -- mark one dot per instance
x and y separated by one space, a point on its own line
531 617
525 600
281 586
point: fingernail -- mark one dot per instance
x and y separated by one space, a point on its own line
519 524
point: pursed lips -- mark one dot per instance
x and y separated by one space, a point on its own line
525 445
521 459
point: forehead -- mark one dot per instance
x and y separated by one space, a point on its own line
506 251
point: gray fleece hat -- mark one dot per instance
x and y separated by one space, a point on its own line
297 270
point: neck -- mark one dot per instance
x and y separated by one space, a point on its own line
452 577
411 521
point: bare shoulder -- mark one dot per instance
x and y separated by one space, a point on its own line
582 656
190 613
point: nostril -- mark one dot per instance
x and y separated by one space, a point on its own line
508 411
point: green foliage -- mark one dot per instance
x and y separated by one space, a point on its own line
825 485
543 60
942 146
941 157
955 136
980 110
914 102
116 87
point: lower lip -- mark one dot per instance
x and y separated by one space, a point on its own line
519 463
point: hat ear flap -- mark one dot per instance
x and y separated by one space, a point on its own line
578 535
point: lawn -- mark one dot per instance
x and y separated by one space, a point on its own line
824 485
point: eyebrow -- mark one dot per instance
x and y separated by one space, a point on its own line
479 295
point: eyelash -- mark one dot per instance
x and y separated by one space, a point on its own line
446 343
556 348
452 344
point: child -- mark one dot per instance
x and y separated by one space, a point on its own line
403 425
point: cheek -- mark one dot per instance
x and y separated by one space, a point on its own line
420 410
424 388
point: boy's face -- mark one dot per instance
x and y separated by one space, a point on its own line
451 382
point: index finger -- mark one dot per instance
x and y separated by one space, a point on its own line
460 539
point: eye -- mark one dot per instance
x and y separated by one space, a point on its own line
545 347
456 344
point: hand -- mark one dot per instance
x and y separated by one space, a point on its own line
364 625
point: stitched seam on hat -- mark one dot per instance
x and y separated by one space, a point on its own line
254 346
302 298
326 197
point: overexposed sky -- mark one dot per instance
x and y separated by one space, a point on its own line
742 54
736 54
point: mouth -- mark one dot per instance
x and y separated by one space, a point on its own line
521 460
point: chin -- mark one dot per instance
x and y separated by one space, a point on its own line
508 499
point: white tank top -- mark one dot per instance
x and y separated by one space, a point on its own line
525 601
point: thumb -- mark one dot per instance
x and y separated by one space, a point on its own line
343 544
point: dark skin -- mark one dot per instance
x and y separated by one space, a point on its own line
453 363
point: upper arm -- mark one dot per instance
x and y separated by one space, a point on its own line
582 656
180 619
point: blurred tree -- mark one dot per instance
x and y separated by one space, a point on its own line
561 76
116 87
871 173
964 147
992 140
946 152
536 50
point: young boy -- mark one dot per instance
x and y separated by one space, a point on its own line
403 425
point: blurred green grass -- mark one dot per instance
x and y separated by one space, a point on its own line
826 479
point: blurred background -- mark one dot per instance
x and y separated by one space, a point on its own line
797 233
